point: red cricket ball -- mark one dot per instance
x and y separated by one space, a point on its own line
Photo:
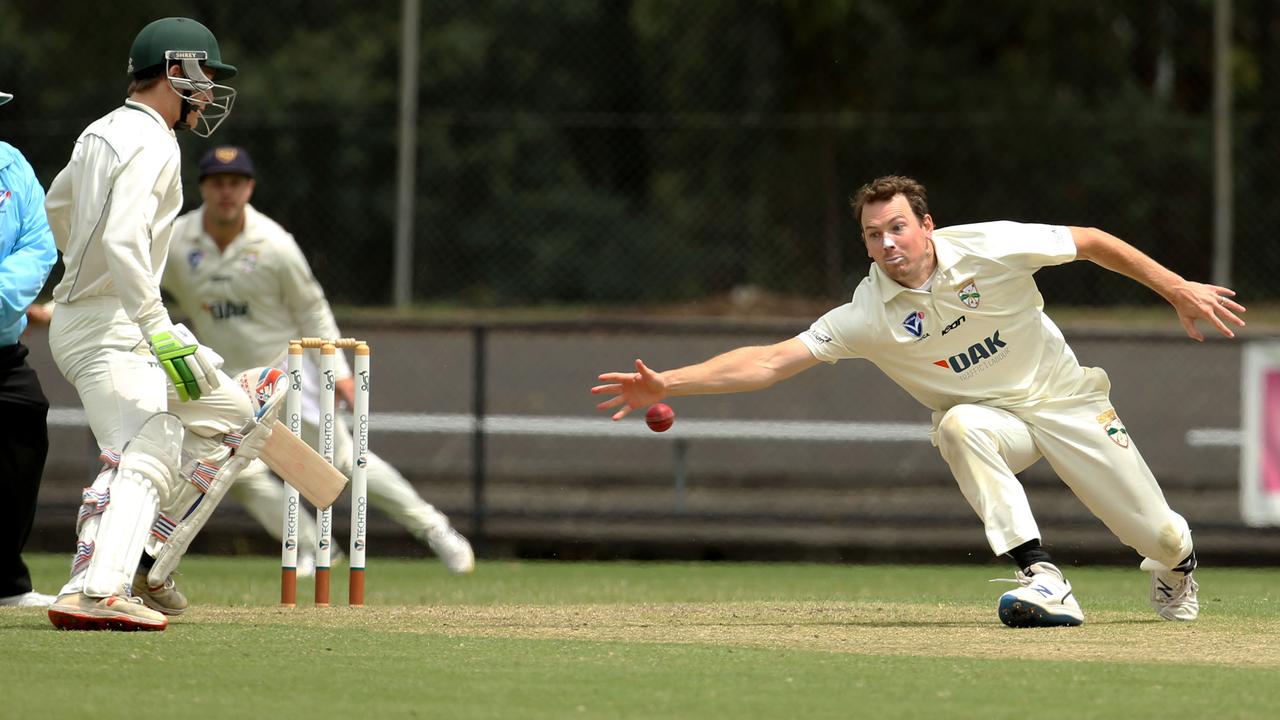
660 417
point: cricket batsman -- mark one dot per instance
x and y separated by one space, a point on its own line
953 316
173 429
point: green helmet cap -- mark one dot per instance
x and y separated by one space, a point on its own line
176 34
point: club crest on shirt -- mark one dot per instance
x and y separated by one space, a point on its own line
914 323
194 257
4 197
970 296
248 262
1114 428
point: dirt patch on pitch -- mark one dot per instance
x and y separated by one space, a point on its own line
867 629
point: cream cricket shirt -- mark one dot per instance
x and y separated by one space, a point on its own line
977 335
112 209
249 301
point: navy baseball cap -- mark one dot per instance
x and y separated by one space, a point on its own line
226 159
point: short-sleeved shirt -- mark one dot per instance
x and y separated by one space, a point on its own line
27 252
248 301
978 334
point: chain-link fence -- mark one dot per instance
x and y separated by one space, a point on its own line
654 151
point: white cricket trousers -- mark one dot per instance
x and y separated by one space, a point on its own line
1085 444
102 353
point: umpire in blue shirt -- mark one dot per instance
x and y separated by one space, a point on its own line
27 254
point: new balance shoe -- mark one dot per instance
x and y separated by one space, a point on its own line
77 611
165 598
1043 600
452 549
1173 594
27 599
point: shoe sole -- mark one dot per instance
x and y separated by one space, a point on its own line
69 620
1017 613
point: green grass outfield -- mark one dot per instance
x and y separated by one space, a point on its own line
653 640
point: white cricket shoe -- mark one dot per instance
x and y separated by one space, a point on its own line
77 611
452 549
1044 600
27 599
1173 594
163 598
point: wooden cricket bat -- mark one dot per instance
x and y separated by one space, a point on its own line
298 464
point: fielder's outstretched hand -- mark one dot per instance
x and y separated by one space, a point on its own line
639 389
1197 301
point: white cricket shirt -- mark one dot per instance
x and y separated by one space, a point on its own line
112 210
250 300
977 335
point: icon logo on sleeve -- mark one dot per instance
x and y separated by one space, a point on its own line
970 296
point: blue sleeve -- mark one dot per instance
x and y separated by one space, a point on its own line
30 257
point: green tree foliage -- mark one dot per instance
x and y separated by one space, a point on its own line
651 150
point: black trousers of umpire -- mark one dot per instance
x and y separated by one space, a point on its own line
24 443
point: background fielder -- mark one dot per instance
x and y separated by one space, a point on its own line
955 319
248 290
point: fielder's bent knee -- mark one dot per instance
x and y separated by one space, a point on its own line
957 428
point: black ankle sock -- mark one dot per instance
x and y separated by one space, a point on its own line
1188 563
1029 553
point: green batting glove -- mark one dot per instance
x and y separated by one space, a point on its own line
191 368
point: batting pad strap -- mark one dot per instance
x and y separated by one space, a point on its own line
84 553
203 476
92 502
183 532
163 527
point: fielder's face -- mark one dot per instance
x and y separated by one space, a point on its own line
898 242
225 195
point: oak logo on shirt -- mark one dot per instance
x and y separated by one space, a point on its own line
976 353
970 296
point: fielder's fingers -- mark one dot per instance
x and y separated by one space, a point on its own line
1222 327
1232 305
1190 326
1227 314
615 377
614 388
622 413
610 403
